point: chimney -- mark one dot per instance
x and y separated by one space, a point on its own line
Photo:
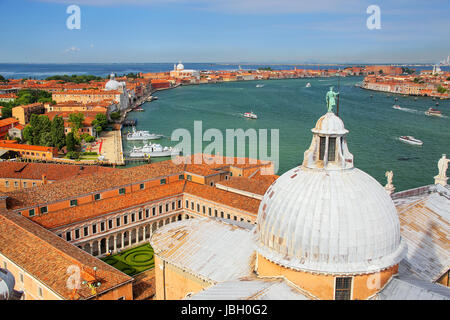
3 202
44 179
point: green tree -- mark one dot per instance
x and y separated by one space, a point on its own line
441 89
45 139
28 134
57 132
448 79
76 122
38 132
2 79
115 115
100 122
70 142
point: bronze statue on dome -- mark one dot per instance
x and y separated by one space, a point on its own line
331 99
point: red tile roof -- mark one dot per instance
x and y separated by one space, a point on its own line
34 171
253 185
230 199
47 257
65 189
115 204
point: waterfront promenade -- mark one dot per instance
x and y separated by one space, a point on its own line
112 147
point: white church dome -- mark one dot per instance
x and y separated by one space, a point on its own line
180 66
113 84
326 216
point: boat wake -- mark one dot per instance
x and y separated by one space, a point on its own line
397 107
406 109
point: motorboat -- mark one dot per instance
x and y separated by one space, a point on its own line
411 140
259 85
308 85
250 115
433 112
142 135
153 150
396 106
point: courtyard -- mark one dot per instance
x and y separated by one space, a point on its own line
132 261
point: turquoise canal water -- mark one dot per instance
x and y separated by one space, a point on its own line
292 108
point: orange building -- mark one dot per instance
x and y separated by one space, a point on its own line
29 151
21 175
86 96
5 125
23 113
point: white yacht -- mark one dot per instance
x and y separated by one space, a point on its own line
142 135
153 150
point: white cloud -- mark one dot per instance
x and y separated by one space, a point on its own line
72 49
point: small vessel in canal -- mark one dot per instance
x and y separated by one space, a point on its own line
396 106
433 112
411 140
153 150
308 85
142 135
250 115
259 85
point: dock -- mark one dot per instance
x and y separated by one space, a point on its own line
137 160
112 149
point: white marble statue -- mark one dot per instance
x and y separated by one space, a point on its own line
443 166
389 175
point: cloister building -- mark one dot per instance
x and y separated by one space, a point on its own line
112 210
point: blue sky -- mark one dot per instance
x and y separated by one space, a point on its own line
266 31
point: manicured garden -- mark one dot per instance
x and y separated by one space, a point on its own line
132 261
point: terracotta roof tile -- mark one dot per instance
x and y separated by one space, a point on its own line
256 185
121 202
32 247
231 199
29 170
88 184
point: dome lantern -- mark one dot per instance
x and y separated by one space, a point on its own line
328 148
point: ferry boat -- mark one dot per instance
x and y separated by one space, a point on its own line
411 140
153 150
250 115
308 85
142 135
433 112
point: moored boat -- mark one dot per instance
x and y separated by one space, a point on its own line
411 140
142 135
153 150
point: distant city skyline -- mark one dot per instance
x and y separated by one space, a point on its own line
224 31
